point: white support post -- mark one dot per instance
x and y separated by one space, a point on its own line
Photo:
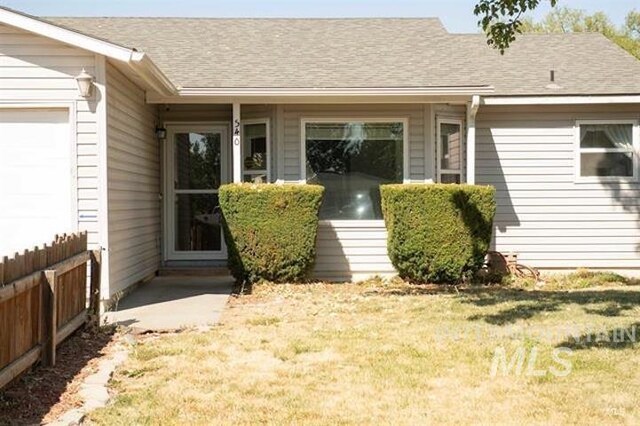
237 144
472 110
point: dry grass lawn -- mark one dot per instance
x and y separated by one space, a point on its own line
389 352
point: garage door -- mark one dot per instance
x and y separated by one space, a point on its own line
35 177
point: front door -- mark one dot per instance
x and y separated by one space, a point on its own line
196 166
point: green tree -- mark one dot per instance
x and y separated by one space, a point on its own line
502 20
565 20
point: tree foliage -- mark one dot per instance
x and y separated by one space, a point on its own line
566 20
501 20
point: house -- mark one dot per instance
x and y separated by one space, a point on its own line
126 127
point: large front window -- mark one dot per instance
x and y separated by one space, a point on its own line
351 160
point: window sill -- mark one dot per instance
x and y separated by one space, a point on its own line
354 223
623 180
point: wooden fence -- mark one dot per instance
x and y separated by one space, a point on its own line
43 299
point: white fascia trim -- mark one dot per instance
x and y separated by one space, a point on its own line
562 100
347 91
151 74
64 35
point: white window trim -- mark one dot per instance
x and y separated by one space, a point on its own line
345 120
635 149
441 171
267 123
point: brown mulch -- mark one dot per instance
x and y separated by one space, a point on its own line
44 394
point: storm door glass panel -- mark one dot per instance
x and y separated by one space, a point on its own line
197 160
198 172
351 161
198 226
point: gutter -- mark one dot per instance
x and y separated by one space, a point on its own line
149 72
562 100
448 94
330 91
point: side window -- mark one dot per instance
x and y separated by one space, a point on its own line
256 152
606 150
449 151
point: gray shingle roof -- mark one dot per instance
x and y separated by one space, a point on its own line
381 52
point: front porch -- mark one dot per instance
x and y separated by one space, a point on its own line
172 303
349 148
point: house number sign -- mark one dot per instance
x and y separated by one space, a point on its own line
236 132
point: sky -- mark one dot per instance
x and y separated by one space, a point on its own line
457 15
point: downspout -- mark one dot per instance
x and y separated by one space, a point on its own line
472 111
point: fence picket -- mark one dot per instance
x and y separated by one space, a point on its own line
43 291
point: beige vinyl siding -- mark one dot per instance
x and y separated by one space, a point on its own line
134 183
544 215
201 113
351 251
34 69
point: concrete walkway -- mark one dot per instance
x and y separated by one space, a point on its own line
173 302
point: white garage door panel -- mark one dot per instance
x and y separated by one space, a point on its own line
35 177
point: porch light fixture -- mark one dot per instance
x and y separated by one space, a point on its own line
161 132
85 83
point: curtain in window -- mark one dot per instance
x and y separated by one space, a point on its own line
606 136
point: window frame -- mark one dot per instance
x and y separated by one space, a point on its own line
267 122
634 150
439 170
169 195
346 120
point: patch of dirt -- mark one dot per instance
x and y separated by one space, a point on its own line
43 394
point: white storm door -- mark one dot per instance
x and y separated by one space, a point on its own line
196 166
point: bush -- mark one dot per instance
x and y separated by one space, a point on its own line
270 230
438 233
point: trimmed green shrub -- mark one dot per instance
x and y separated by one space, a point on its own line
438 233
270 230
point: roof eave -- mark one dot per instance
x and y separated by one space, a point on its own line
322 94
64 35
152 75
562 99
138 61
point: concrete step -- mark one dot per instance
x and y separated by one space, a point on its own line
191 271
